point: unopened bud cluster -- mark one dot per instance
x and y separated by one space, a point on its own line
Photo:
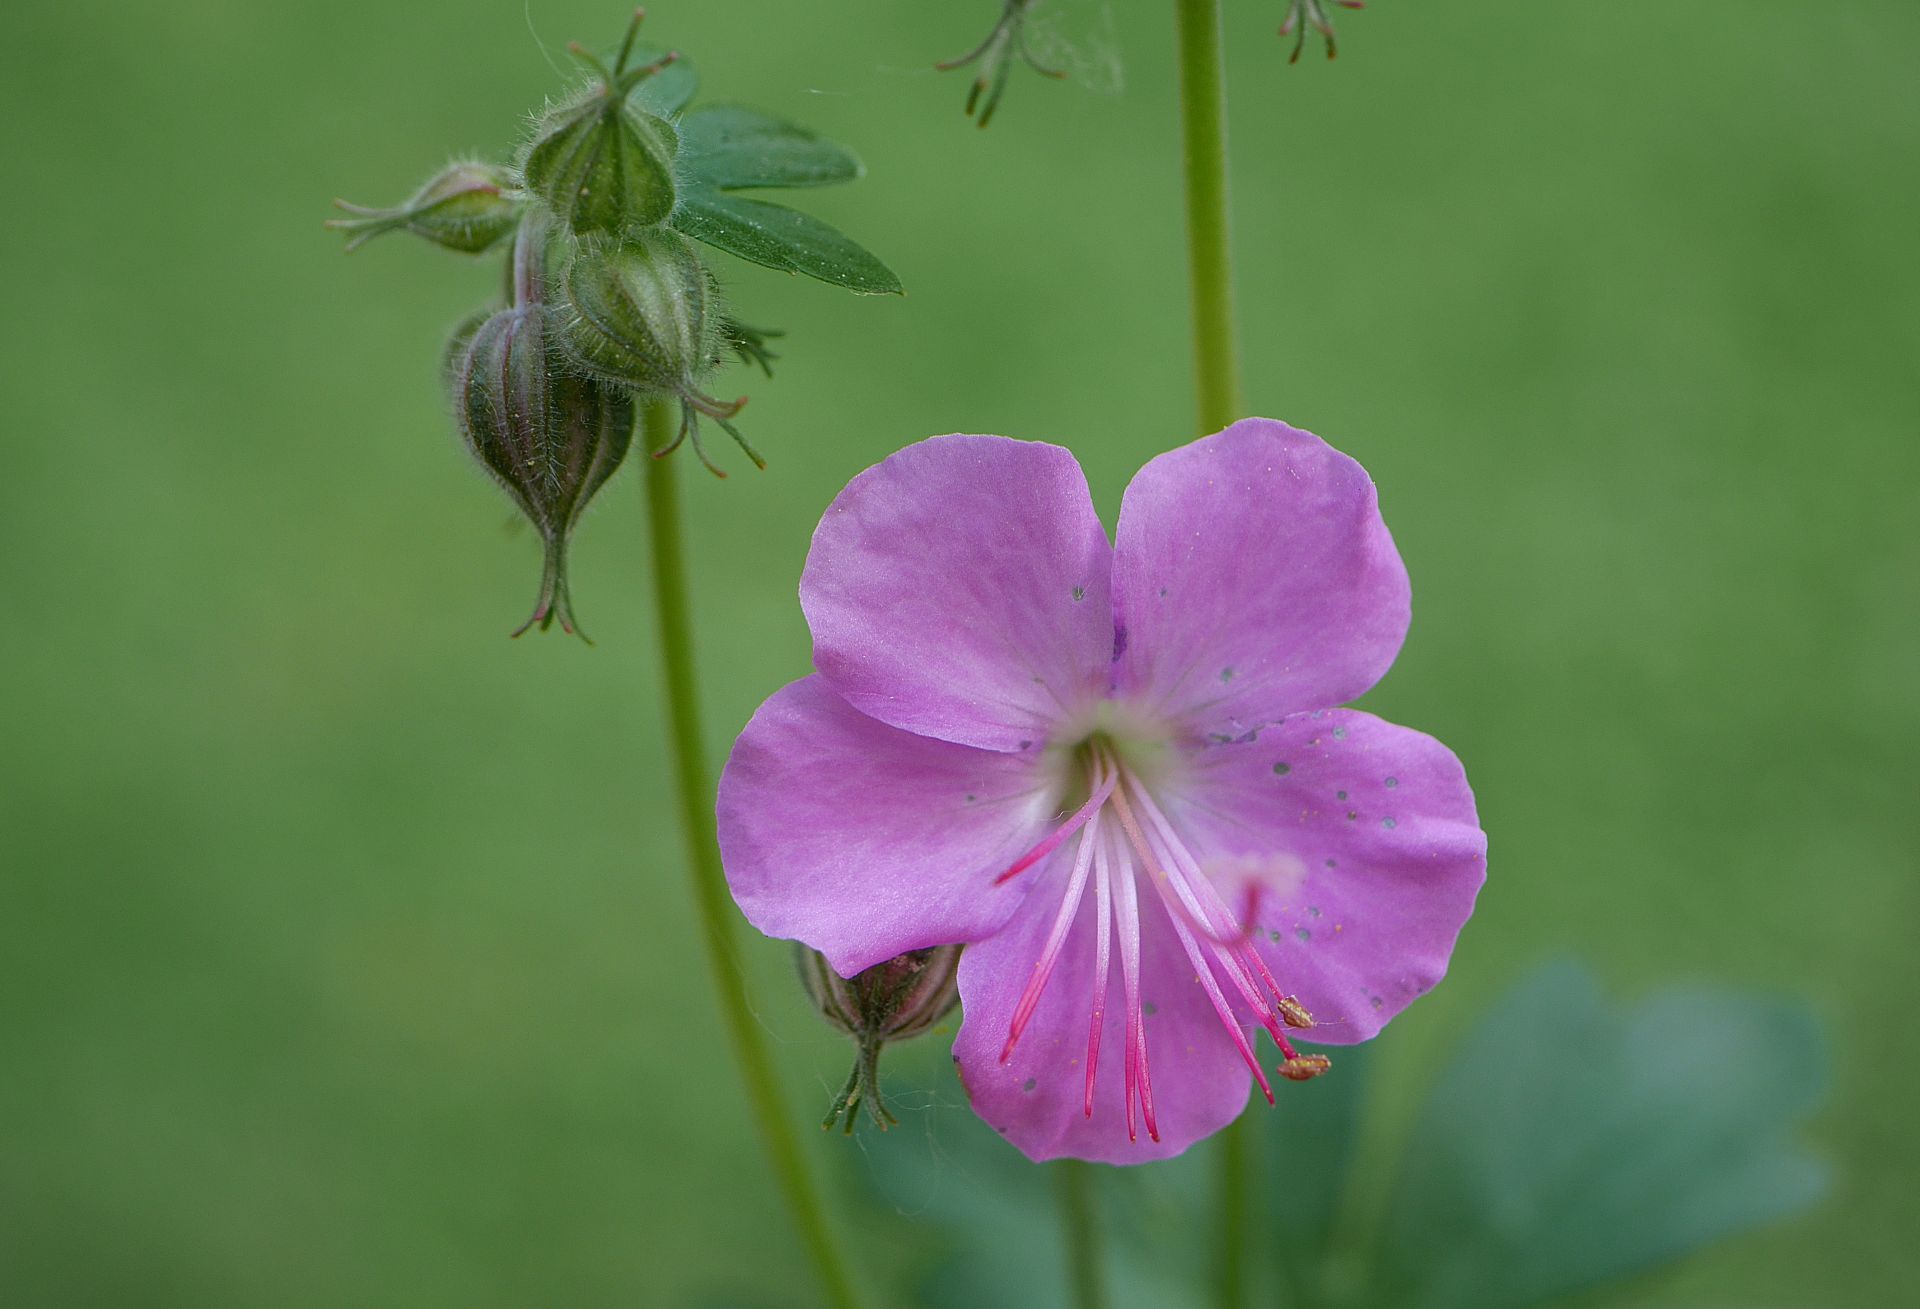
890 1001
608 305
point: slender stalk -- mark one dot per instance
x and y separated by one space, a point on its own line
1216 370
1086 1277
1203 139
694 790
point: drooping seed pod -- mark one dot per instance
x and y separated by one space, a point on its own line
601 162
467 206
549 436
890 1001
641 313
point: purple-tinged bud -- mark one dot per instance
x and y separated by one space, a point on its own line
601 162
642 314
550 437
890 1001
469 207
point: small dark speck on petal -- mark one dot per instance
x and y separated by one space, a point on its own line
1119 643
1029 1084
1079 593
1281 770
1226 674
1026 745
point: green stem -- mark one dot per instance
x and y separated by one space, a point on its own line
1086 1277
695 794
1216 369
1203 139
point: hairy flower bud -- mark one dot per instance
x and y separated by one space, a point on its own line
890 1001
550 437
600 161
467 206
642 314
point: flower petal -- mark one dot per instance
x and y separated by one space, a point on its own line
1253 578
865 841
1383 822
1037 1099
959 589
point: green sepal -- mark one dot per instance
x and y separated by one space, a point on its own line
665 93
602 163
729 147
777 237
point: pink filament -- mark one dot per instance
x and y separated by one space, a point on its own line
1050 954
1105 777
1102 956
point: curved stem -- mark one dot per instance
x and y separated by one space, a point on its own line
1216 368
1203 138
694 790
1086 1277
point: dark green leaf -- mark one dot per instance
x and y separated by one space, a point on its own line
726 147
997 1217
1570 1143
667 92
1308 1144
781 238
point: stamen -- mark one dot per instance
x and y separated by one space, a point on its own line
1050 954
1187 908
1105 776
1201 968
1245 954
1102 955
1126 920
1305 1067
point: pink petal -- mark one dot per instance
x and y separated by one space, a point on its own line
959 589
1037 1100
865 841
1253 577
1383 822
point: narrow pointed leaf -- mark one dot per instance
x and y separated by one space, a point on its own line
782 238
1570 1143
726 147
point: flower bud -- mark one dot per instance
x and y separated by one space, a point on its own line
550 437
642 314
890 1001
467 206
601 162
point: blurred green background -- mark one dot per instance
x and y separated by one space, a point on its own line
345 951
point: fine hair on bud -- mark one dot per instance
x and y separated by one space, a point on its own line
548 435
598 160
642 312
467 206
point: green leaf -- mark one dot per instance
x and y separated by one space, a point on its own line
996 1217
1570 1143
781 238
667 92
1307 1148
726 147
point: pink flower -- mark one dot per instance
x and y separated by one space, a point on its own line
1113 772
